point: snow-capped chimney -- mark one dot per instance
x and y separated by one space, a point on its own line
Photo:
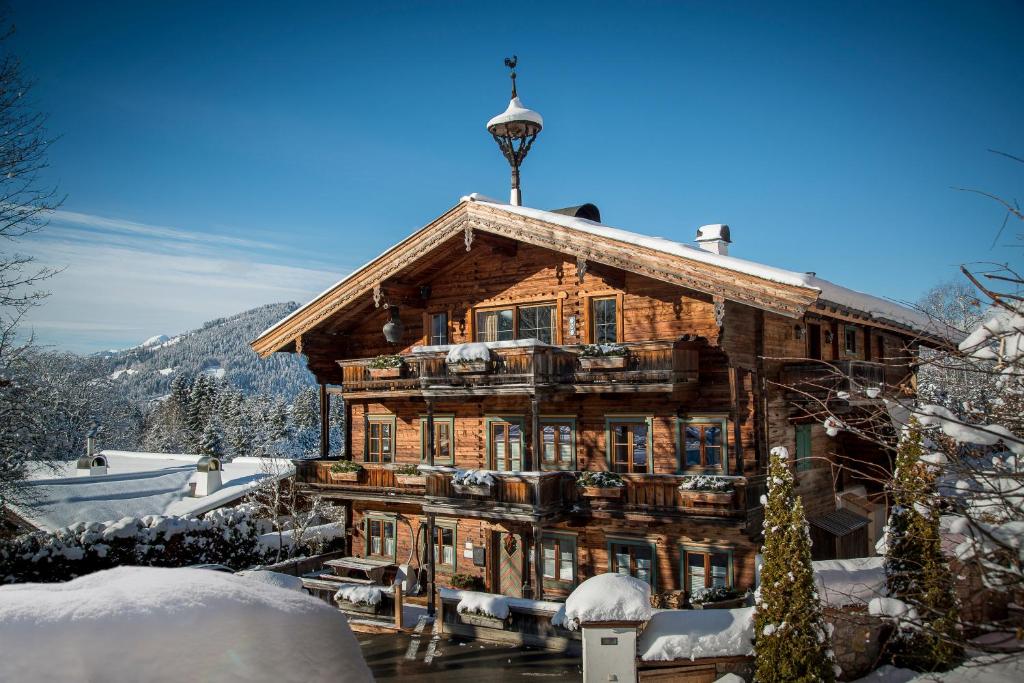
91 465
207 476
714 238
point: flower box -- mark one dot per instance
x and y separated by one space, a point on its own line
359 607
603 362
473 489
731 603
411 479
345 476
386 373
692 497
601 491
473 367
482 620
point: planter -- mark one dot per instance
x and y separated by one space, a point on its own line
411 479
472 489
476 367
386 373
710 497
358 607
600 492
482 620
344 476
731 603
603 362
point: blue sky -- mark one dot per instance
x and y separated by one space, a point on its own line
215 159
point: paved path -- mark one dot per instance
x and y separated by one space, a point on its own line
428 656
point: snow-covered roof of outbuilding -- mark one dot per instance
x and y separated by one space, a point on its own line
136 485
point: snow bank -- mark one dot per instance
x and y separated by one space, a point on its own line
606 597
318 533
487 604
850 582
170 625
695 634
270 578
358 593
467 353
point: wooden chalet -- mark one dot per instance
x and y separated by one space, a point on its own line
710 342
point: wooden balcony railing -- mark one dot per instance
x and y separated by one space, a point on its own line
818 379
655 362
660 494
534 492
373 478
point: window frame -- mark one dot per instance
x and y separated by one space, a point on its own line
441 525
610 422
431 338
517 420
719 420
850 332
447 419
381 518
686 549
804 461
387 419
556 319
560 539
558 466
652 546
615 319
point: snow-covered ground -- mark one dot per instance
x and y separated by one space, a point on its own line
980 670
172 625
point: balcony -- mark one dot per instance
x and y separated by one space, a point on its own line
526 496
659 496
852 381
649 366
373 482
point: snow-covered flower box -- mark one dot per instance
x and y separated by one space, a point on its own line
600 484
345 470
359 598
603 357
706 488
716 597
468 359
386 367
473 482
483 609
409 475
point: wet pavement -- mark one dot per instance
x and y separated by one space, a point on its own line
427 657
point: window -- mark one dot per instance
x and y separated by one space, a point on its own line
706 568
633 558
629 446
380 537
518 322
558 444
380 439
605 321
492 326
505 446
703 444
438 329
851 338
444 546
803 448
444 440
559 556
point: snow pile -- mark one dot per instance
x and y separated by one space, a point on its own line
317 535
278 579
892 608
606 597
850 582
696 634
359 594
468 353
486 604
986 669
473 478
169 625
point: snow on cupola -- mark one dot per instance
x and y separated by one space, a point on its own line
514 130
714 238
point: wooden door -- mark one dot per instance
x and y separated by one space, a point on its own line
510 564
814 341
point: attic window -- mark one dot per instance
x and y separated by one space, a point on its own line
851 339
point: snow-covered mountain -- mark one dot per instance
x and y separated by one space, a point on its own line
220 348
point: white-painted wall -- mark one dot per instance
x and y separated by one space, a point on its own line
609 654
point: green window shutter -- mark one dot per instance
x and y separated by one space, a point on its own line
803 447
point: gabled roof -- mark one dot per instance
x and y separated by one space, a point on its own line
772 289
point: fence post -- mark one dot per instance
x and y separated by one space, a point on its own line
399 622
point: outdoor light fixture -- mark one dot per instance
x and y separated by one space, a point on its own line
514 130
393 328
798 332
829 337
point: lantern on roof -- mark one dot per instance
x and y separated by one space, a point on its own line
514 130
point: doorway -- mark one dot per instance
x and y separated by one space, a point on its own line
814 341
510 564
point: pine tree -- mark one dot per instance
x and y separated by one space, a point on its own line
200 407
915 570
792 639
211 443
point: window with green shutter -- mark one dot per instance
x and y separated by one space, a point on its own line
803 448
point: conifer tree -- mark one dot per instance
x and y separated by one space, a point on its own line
791 637
211 441
927 638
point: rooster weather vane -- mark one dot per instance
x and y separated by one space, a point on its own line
514 130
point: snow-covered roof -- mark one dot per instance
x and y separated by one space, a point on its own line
850 582
136 485
516 112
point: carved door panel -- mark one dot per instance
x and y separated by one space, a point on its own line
510 564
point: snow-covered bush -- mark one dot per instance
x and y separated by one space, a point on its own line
228 536
599 480
598 350
473 478
706 482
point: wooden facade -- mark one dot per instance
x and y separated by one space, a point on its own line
701 391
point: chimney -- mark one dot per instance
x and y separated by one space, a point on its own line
91 465
207 476
714 238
